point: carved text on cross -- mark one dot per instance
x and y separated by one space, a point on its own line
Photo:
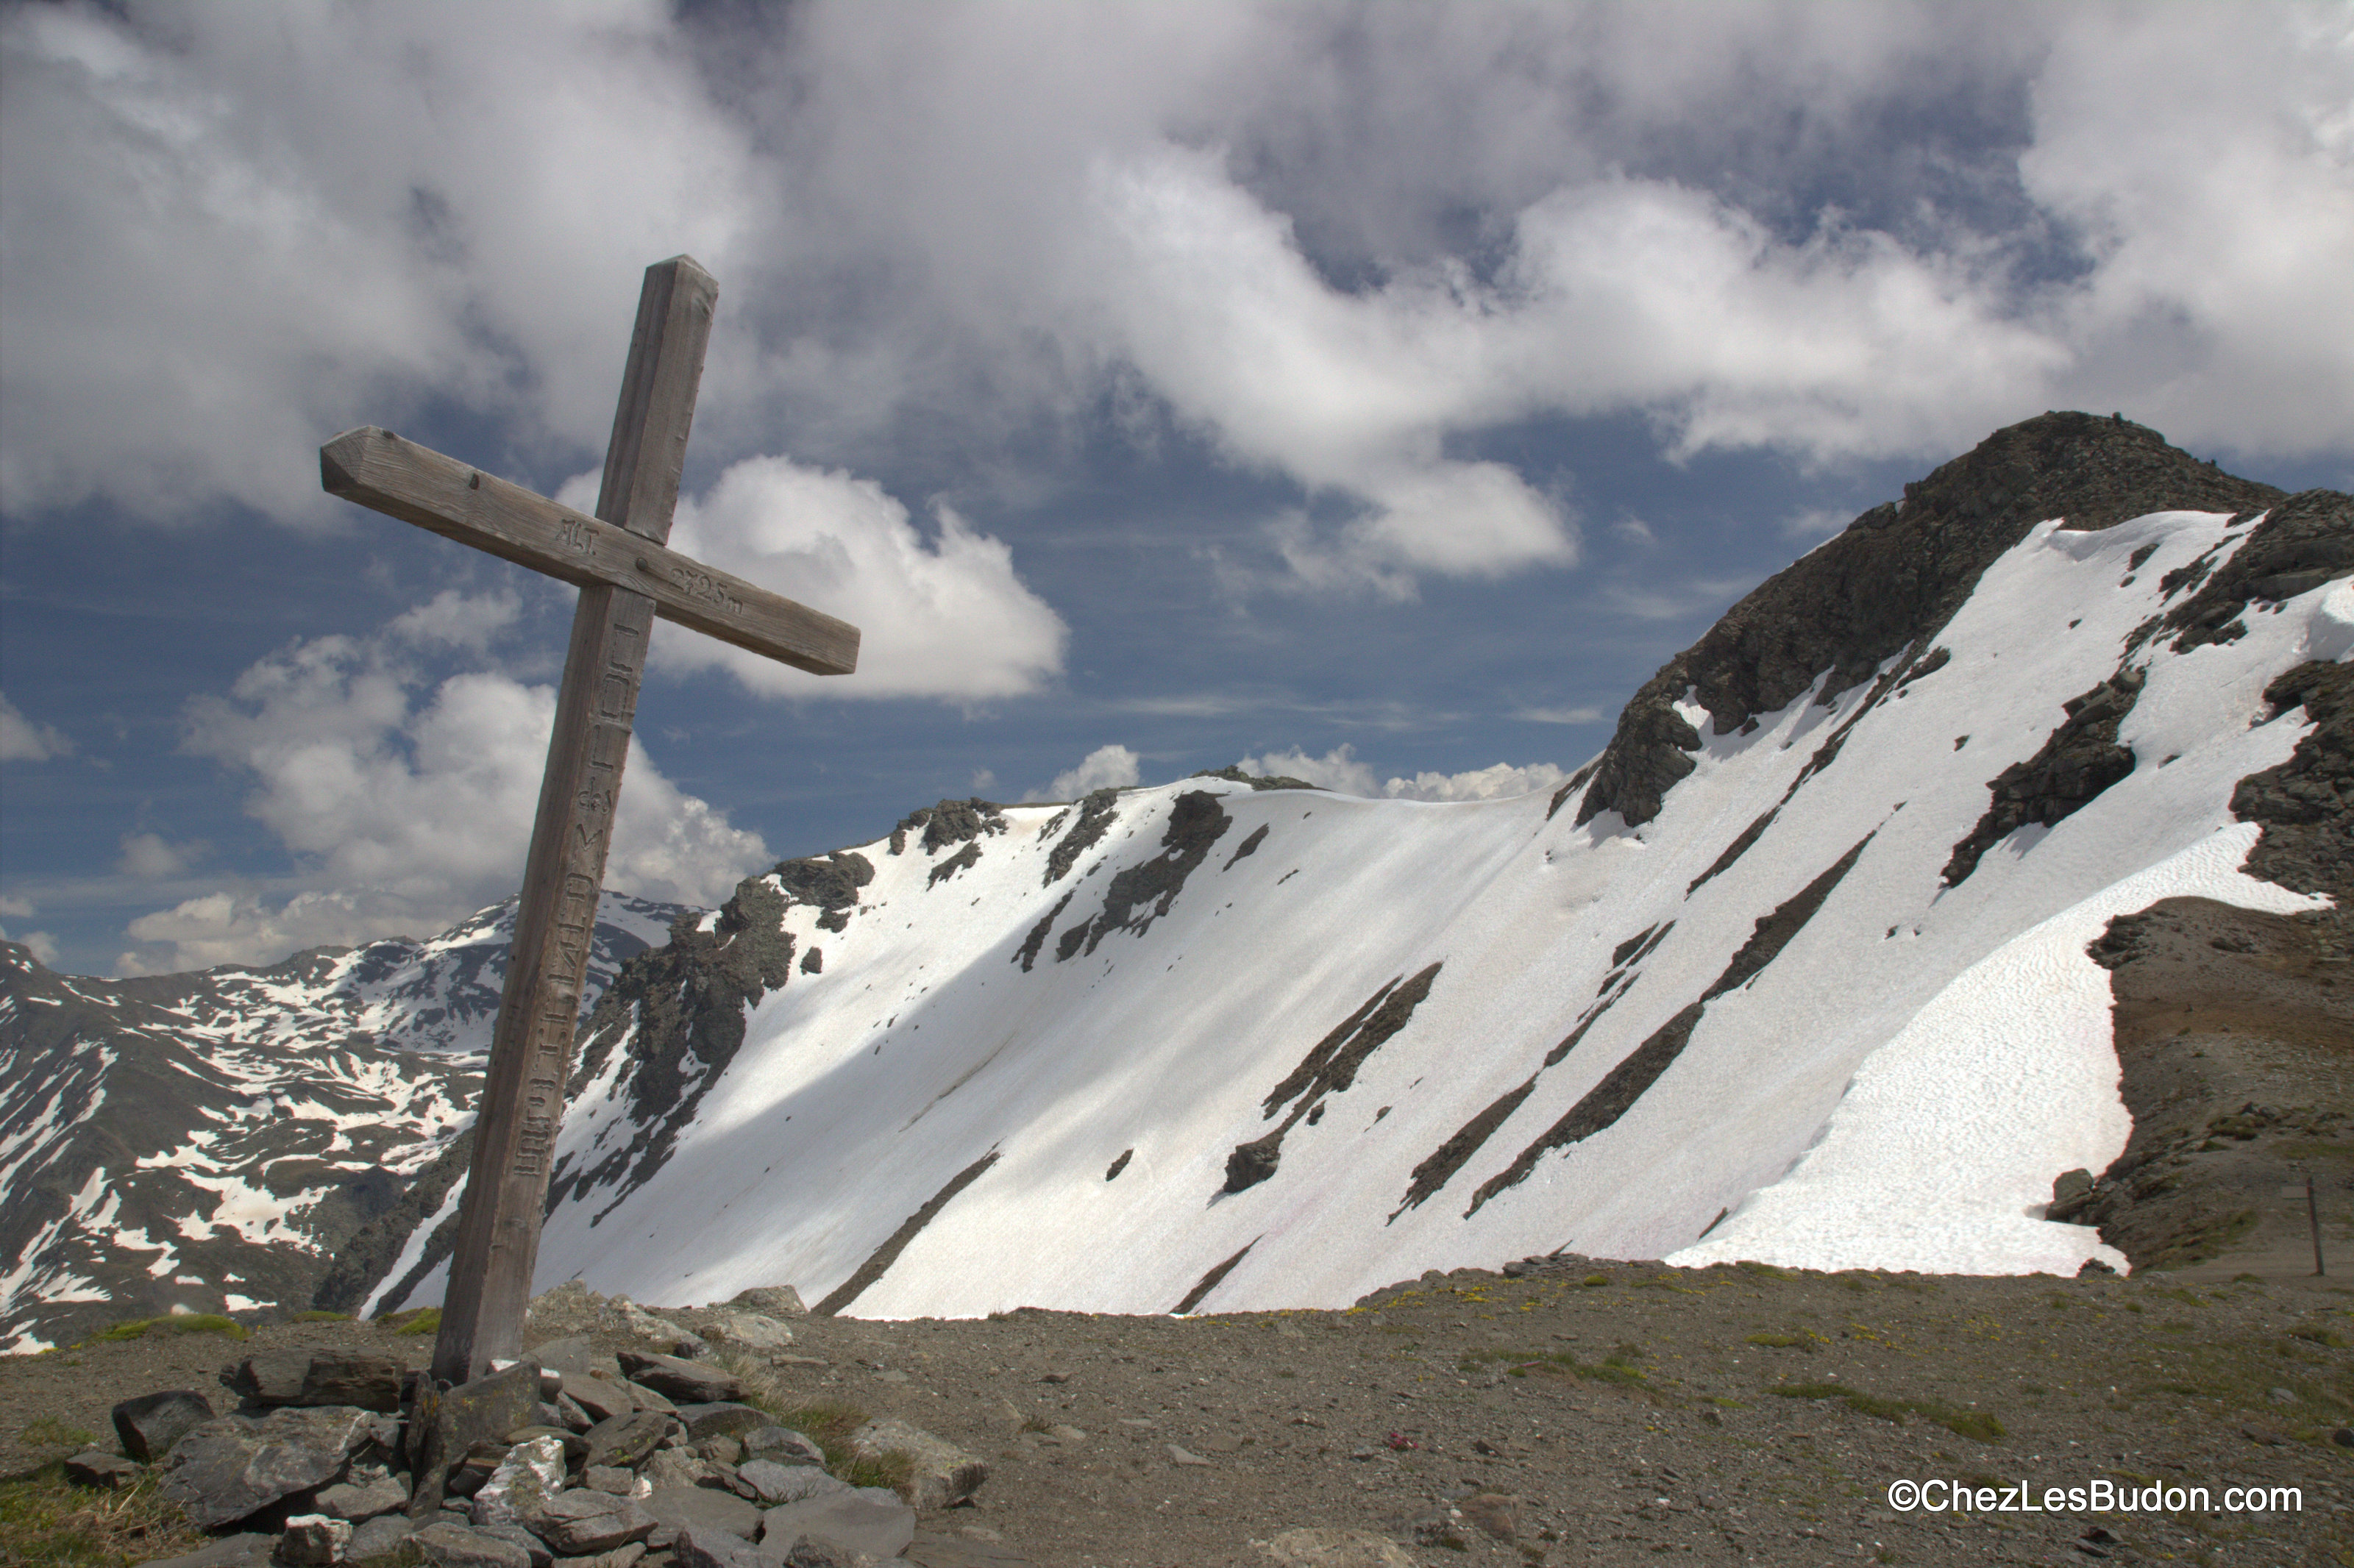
627 575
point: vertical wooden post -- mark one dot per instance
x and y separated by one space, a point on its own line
531 1049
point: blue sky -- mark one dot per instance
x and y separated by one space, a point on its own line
1377 392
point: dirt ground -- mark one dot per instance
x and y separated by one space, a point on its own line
1583 1413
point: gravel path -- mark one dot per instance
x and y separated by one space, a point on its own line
1596 1413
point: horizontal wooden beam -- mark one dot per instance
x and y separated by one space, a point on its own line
416 485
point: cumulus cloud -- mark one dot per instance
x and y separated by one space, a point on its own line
1104 767
148 858
1340 771
42 946
405 803
1338 243
40 943
25 740
939 616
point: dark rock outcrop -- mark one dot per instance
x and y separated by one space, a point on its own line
1893 580
1329 1069
679 1012
1612 1098
1139 895
2077 762
1094 819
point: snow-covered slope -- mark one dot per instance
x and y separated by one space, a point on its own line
1795 971
209 1140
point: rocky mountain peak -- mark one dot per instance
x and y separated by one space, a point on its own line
1891 580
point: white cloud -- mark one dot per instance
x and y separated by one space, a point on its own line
939 617
40 943
452 618
1338 242
1558 715
1104 767
149 858
1341 771
407 804
25 740
15 908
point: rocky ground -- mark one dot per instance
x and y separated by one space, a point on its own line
1582 1412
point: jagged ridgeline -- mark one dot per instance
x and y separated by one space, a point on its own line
1748 987
241 1138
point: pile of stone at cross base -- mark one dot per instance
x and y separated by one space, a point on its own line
569 1458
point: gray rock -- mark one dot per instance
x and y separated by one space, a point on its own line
783 1446
270 1379
776 1484
576 1358
871 1519
624 1441
754 1332
531 1474
571 1413
355 1378
771 1300
358 1501
722 1418
683 1380
313 1541
1328 1548
447 1424
610 1478
602 1398
232 1468
930 1550
577 1523
704 1547
517 1535
624 1556
677 1467
446 1545
378 1537
151 1424
942 1473
106 1472
817 1552
637 1321
702 1507
246 1551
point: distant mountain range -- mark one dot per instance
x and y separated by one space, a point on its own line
1795 970
210 1141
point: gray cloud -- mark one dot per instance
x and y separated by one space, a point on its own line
1335 241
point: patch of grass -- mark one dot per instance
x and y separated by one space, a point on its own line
424 1320
2318 1335
1750 1265
316 1316
46 1522
48 1432
1596 1279
828 1423
1801 1341
177 1323
1036 1423
1619 1366
891 1468
1974 1425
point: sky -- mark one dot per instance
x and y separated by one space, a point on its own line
1372 393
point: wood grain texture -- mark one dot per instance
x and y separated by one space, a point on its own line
416 485
627 575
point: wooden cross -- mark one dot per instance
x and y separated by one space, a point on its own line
627 577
